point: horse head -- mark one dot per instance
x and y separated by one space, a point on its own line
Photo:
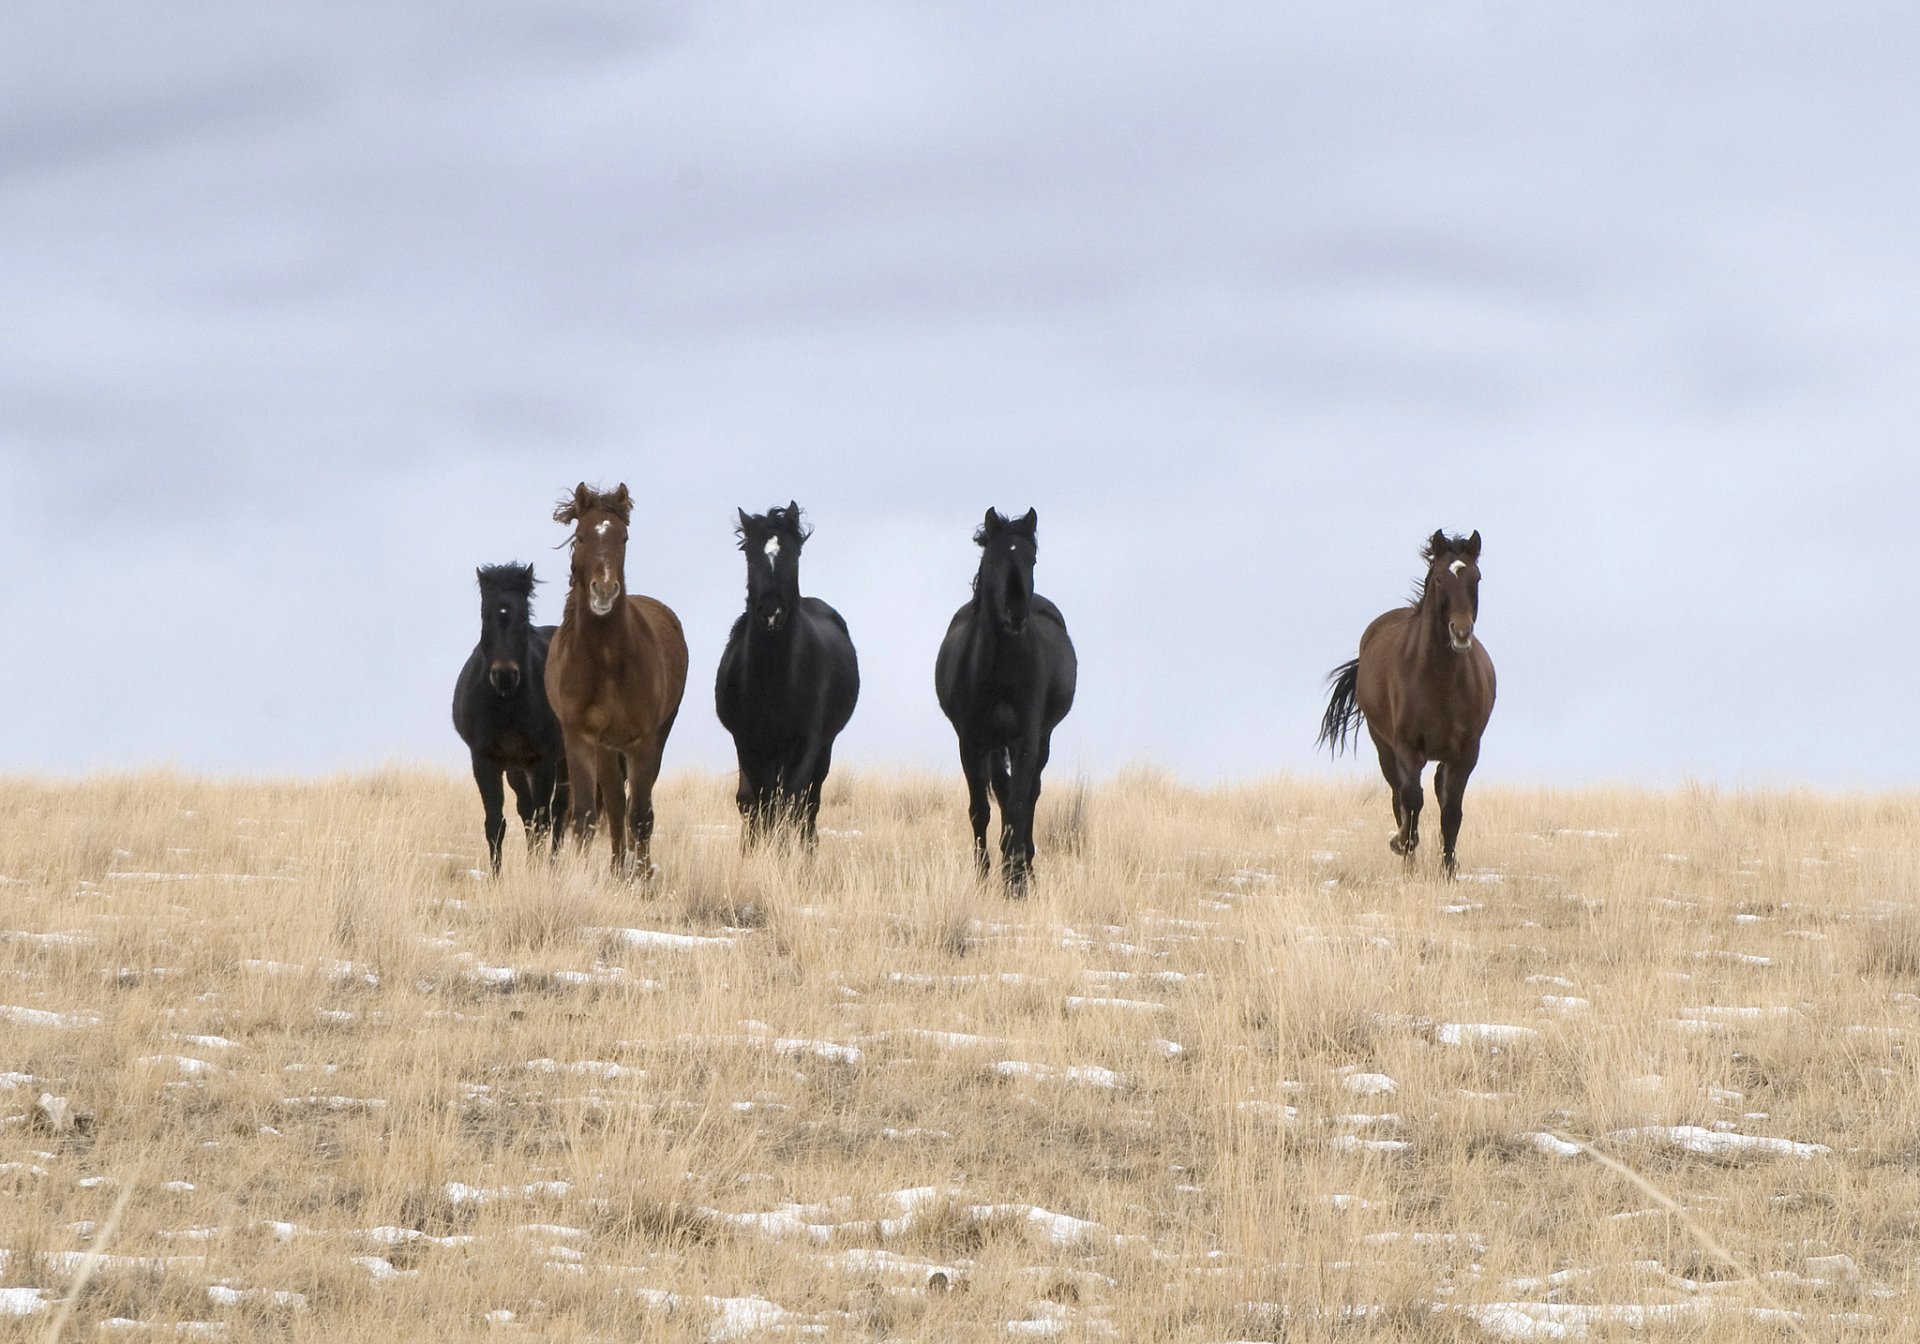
1008 550
1453 583
506 626
771 541
599 543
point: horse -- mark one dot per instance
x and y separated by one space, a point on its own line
615 674
501 712
787 683
1005 677
1423 685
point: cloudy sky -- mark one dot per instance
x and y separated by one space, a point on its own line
306 310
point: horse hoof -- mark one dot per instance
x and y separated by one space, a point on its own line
1397 845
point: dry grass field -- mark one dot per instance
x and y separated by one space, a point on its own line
1229 1074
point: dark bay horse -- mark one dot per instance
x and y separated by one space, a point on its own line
1423 685
500 711
615 673
1005 677
787 683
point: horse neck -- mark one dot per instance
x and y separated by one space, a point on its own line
616 631
1429 648
768 652
989 640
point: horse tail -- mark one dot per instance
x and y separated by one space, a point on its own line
1341 723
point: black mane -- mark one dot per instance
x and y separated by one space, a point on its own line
509 578
782 521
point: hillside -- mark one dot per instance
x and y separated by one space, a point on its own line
1230 1074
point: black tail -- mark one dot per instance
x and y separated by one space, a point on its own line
1341 723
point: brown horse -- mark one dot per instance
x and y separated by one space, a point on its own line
615 673
1423 684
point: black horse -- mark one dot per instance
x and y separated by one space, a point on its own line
787 683
1005 677
500 711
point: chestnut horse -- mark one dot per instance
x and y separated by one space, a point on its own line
1423 685
615 673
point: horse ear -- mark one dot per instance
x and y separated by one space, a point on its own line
569 510
745 519
620 501
1027 522
1473 545
793 510
991 525
1437 544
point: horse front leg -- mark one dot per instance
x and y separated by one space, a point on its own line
493 797
1450 787
1410 800
1027 760
643 769
526 801
975 764
747 797
803 777
550 786
613 803
583 788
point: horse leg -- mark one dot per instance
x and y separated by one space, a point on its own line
804 777
1450 786
975 764
1000 780
550 782
613 803
583 788
746 796
524 802
493 799
816 778
544 822
643 768
1022 796
1390 767
1411 800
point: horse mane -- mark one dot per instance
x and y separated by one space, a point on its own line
586 498
782 520
508 578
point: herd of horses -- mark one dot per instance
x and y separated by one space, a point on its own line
574 718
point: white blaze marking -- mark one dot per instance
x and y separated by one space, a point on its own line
600 528
773 550
1456 567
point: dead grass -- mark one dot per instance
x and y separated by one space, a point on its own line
1230 1073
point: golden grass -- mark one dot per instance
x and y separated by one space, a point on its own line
442 1107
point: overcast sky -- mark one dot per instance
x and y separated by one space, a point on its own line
306 310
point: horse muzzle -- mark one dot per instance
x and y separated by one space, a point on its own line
600 599
1459 636
504 678
774 618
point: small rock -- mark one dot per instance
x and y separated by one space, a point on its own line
55 1115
